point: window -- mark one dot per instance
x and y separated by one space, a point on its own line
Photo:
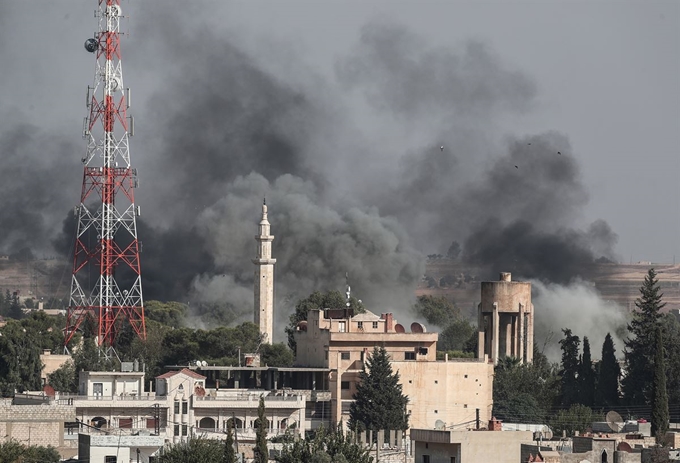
110 459
185 407
426 459
98 389
422 350
360 325
176 407
184 429
344 355
342 327
176 433
453 459
125 423
375 325
344 385
409 355
151 423
326 355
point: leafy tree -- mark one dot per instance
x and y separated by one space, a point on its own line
457 336
378 402
64 378
524 392
608 375
20 364
261 452
332 447
88 357
12 451
577 418
671 336
639 350
660 417
454 251
172 314
229 451
276 355
319 301
586 376
570 366
437 310
197 450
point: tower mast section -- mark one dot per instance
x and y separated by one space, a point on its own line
106 280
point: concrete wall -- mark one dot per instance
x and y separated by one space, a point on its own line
470 446
447 391
37 424
52 363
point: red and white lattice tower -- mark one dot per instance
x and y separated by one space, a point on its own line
106 245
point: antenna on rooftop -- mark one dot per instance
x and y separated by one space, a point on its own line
348 290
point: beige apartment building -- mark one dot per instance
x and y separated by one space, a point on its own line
451 392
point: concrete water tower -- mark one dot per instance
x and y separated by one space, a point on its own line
506 320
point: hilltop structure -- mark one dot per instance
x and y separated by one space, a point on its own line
264 279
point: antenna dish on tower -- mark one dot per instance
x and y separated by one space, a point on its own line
614 421
91 45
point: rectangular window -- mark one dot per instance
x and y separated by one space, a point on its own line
360 325
409 355
426 459
151 423
176 433
344 355
184 429
422 350
125 423
453 459
326 355
344 385
110 459
342 327
375 325
176 407
185 407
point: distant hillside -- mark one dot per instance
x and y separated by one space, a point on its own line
616 282
38 278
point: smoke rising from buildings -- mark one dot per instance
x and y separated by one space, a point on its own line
351 167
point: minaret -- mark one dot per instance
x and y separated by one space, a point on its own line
264 279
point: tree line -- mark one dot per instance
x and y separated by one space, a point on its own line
570 395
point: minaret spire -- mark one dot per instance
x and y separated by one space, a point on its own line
264 278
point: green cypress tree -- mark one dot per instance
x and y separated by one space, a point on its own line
261 451
660 416
229 452
608 377
379 403
570 366
586 376
639 351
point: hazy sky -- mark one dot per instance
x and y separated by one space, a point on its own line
607 76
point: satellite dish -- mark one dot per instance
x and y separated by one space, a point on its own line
399 328
204 363
614 421
91 45
439 424
624 447
198 363
417 328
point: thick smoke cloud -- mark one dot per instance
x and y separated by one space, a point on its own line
351 167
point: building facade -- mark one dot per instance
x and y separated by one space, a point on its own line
450 392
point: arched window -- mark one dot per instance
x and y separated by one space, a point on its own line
604 456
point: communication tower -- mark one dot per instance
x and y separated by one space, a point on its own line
106 283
